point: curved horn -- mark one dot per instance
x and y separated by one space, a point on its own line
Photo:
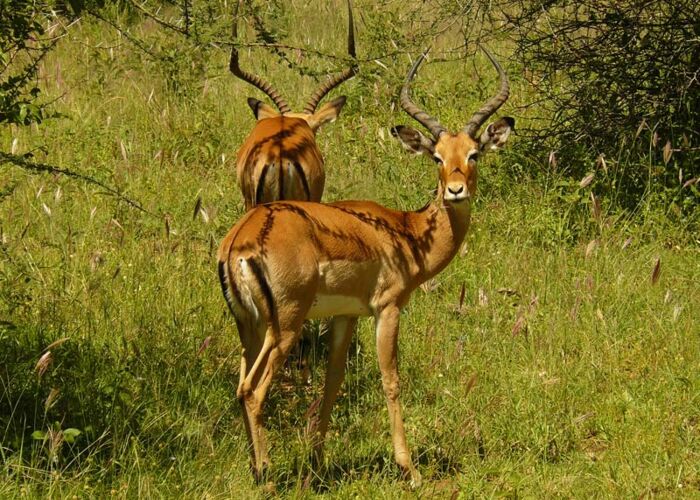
416 113
254 80
478 118
338 79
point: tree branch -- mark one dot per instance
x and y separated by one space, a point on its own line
23 163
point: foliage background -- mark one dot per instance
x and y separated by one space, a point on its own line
558 355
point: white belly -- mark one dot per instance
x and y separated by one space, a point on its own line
337 305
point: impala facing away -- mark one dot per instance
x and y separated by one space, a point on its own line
279 159
287 261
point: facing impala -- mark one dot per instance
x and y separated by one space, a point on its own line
287 261
279 159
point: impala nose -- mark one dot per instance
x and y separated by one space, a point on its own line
455 189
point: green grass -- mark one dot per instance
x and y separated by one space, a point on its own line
595 393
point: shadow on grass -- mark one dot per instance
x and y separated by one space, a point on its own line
434 464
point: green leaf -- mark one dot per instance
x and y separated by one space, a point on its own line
39 435
70 434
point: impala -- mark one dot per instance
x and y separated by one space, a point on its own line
287 261
279 159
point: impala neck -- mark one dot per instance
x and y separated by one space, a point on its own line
439 229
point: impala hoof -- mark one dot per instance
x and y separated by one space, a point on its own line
416 480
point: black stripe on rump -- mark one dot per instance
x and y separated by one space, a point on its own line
280 184
260 189
264 286
224 286
304 182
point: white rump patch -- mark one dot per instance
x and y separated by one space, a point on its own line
244 289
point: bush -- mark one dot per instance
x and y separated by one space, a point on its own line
618 79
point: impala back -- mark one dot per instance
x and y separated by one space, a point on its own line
280 161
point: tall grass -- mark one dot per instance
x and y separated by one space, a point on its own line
565 369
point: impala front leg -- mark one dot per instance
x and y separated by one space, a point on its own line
342 328
387 349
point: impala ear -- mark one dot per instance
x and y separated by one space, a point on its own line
496 134
261 110
413 141
328 113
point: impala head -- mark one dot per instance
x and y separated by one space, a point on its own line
327 113
456 154
315 118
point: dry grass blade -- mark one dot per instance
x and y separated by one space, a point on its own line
677 311
599 315
595 207
51 398
43 364
204 345
96 260
656 272
116 224
642 126
591 247
601 163
483 298
586 181
655 139
573 313
205 215
534 302
430 285
582 418
627 243
122 147
470 384
668 151
463 249
553 160
690 182
57 343
520 324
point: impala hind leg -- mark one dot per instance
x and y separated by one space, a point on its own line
387 330
254 384
250 407
340 334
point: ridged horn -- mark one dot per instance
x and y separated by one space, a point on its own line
338 79
254 80
478 118
414 111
